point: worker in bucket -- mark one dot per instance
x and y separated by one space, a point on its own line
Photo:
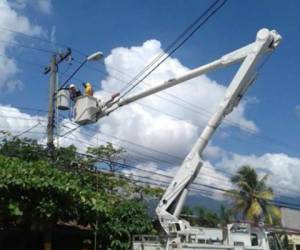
88 89
74 92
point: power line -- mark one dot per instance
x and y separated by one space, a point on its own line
24 61
271 140
139 153
39 39
218 170
202 111
275 202
246 129
28 130
170 46
181 159
31 109
26 46
7 129
137 162
223 191
152 172
146 158
151 157
266 138
22 118
136 144
91 145
206 15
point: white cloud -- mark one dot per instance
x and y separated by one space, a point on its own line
142 125
283 170
138 124
80 137
153 174
10 19
213 152
44 6
17 122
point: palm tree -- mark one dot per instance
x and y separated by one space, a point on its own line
253 197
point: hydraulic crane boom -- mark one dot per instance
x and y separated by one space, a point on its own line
234 57
171 204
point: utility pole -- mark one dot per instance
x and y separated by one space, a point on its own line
51 105
56 59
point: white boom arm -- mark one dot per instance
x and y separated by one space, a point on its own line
226 60
171 204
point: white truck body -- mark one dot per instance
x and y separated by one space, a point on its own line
237 236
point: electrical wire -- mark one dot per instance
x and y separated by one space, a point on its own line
43 40
202 111
15 44
21 118
206 15
216 188
231 174
28 130
138 153
169 47
149 158
271 140
176 159
153 173
131 143
24 61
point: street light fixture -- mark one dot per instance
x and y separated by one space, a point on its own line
93 57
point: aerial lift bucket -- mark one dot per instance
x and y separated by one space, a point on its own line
63 99
85 110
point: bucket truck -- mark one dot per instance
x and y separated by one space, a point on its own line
89 110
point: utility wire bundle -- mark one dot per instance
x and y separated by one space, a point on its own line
173 46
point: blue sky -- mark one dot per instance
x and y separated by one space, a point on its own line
104 25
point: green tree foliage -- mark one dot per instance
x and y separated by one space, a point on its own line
29 150
252 197
127 219
36 193
26 149
201 216
108 154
